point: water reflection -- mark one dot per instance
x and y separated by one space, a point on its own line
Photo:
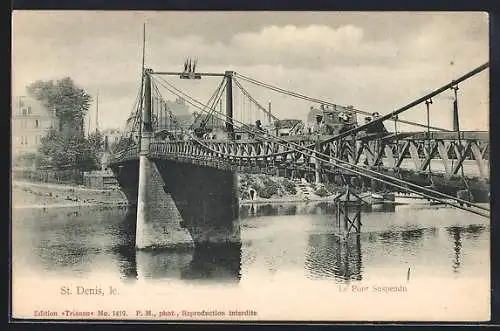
209 262
406 236
63 240
124 246
284 209
412 235
84 241
330 256
380 208
303 208
221 262
457 233
78 242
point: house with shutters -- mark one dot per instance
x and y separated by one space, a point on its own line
30 121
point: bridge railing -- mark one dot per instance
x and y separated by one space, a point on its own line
234 151
444 152
128 154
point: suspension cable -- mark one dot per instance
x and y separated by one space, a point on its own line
213 99
171 114
304 97
249 96
361 173
123 134
428 103
380 180
301 148
410 105
455 116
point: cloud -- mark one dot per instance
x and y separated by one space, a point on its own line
458 39
342 63
312 47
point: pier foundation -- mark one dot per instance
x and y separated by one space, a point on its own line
348 213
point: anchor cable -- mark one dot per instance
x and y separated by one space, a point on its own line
304 97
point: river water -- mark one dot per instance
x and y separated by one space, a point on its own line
413 262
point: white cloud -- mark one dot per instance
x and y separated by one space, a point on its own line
337 63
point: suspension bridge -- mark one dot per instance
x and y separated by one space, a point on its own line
233 133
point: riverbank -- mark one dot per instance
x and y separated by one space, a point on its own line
43 195
287 199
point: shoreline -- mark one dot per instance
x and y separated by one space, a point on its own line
34 192
290 199
34 195
69 205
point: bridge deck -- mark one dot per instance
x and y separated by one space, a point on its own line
443 152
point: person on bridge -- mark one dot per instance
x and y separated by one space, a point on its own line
375 127
258 125
373 132
317 126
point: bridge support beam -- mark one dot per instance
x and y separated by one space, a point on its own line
348 213
229 104
144 166
142 199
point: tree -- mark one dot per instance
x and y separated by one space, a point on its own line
96 148
66 146
70 102
60 151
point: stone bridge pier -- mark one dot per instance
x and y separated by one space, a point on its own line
207 200
183 205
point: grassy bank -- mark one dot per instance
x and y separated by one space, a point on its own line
266 189
33 195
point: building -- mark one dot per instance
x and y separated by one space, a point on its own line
179 109
111 137
31 121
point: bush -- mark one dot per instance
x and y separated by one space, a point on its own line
289 186
268 189
332 187
322 192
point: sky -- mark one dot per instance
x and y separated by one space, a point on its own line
374 61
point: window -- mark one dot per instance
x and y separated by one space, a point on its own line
25 111
36 123
29 110
25 140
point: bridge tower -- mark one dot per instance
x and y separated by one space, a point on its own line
229 104
144 163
